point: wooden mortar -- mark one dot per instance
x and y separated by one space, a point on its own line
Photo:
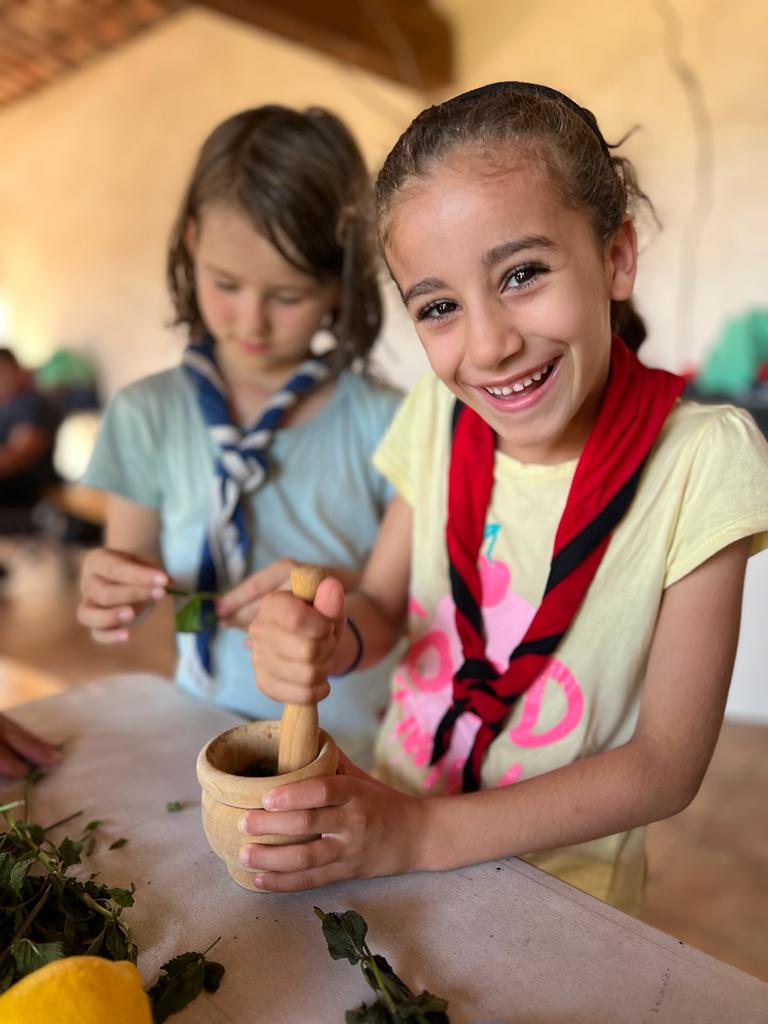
227 795
292 749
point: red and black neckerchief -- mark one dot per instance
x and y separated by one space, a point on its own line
636 403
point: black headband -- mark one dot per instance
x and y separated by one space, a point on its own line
537 90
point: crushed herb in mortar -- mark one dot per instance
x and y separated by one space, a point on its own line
395 1003
259 770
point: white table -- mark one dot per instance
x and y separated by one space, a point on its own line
501 942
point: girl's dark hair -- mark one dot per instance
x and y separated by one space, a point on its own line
549 127
301 180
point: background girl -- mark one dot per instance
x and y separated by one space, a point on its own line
256 450
567 546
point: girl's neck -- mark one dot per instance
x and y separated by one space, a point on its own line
248 394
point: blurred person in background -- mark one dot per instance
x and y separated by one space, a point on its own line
28 425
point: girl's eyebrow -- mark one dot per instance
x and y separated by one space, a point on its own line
219 270
506 249
428 284
490 259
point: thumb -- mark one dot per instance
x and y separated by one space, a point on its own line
329 600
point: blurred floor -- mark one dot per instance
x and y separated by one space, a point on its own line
708 867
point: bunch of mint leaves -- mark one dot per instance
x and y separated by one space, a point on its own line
47 914
345 936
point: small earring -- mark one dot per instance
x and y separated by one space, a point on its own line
325 340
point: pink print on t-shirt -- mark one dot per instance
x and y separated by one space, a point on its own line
423 683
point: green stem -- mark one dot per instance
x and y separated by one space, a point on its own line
24 926
62 821
89 901
207 951
204 595
9 807
374 967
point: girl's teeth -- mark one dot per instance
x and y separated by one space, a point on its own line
519 385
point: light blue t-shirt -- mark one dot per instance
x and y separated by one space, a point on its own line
321 503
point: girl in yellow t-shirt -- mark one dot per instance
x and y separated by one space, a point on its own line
567 548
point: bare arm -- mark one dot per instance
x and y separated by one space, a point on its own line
379 606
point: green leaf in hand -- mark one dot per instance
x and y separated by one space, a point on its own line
188 616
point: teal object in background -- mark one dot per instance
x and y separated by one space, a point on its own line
733 365
65 369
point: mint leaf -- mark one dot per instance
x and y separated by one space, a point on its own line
189 615
182 980
213 972
344 934
28 956
69 852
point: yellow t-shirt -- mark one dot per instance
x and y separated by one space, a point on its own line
704 486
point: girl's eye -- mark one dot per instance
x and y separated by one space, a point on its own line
226 286
436 310
524 275
288 300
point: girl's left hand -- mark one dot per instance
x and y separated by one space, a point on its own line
367 830
237 608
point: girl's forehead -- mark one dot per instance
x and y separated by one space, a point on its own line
462 199
230 234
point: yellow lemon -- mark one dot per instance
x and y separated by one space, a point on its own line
78 990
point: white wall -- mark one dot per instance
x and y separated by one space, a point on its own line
93 170
748 699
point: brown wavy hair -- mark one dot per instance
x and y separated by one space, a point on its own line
301 180
563 138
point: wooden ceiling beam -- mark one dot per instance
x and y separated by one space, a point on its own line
405 40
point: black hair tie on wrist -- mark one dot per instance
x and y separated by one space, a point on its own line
358 653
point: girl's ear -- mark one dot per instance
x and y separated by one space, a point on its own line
622 260
191 232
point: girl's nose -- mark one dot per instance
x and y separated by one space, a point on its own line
491 338
254 317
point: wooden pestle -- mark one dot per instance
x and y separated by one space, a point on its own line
299 739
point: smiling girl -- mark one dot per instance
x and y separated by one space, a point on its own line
567 547
256 450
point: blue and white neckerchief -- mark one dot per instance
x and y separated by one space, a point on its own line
241 468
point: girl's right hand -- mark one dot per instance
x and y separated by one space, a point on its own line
293 644
114 588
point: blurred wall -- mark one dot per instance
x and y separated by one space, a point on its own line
615 59
93 169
